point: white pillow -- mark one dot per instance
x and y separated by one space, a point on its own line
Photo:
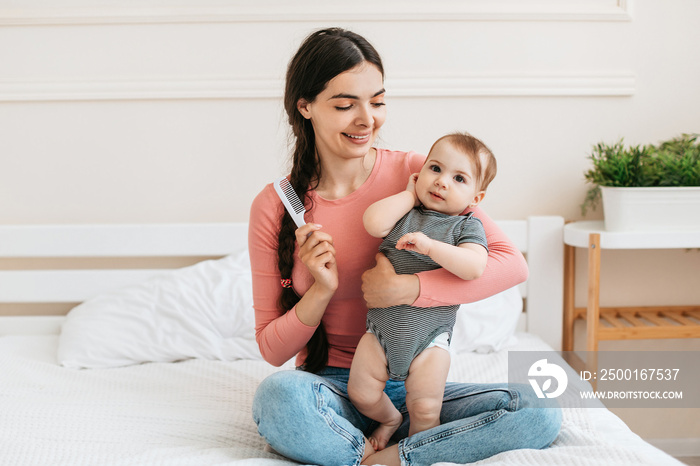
202 311
488 325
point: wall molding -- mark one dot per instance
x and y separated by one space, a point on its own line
139 89
495 85
314 11
514 85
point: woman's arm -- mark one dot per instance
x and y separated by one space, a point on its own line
505 268
280 335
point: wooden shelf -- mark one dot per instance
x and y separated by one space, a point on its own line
640 323
622 323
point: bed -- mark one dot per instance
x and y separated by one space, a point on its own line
158 365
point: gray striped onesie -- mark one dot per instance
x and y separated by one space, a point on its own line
404 331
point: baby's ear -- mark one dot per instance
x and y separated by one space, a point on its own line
478 198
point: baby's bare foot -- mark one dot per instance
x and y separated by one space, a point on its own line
382 434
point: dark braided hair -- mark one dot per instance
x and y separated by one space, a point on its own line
321 57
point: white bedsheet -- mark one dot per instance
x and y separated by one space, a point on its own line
197 412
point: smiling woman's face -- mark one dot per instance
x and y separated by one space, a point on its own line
348 113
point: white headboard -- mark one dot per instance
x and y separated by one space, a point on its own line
539 238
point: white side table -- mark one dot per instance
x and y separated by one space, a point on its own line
621 323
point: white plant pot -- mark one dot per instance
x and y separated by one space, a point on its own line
651 209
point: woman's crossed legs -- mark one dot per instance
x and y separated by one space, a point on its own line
310 419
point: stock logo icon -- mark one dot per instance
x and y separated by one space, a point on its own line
542 370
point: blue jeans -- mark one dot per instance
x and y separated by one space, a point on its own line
309 418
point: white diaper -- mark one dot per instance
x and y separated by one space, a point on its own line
441 341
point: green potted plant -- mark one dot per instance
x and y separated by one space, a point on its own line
635 182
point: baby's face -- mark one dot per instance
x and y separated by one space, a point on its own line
446 182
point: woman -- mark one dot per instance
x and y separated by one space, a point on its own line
312 285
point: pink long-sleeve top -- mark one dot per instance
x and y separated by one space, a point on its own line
281 335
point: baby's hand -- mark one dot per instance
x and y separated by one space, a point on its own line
411 187
416 242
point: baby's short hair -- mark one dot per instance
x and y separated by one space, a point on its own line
482 157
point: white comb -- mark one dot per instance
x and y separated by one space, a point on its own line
290 200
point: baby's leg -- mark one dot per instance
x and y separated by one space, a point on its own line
368 378
425 388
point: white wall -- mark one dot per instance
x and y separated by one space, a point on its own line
163 114
155 111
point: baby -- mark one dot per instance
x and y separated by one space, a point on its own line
423 228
